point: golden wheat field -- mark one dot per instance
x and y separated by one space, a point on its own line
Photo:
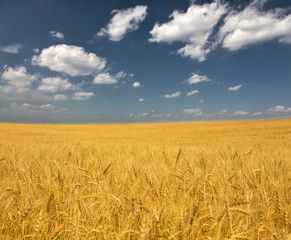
213 180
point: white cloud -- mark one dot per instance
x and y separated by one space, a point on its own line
104 78
168 115
35 50
56 34
141 100
173 95
257 113
241 113
194 52
235 88
195 111
17 80
201 101
123 21
56 84
253 26
192 93
72 60
121 74
60 97
279 109
192 27
46 106
82 96
196 78
136 84
11 48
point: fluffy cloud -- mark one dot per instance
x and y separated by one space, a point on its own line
136 84
56 84
192 93
235 88
141 100
79 96
17 80
241 113
60 97
123 21
11 48
195 111
56 34
104 78
29 108
72 60
192 27
279 109
173 95
196 78
252 26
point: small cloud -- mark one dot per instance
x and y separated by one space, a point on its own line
72 60
141 100
104 78
35 50
257 113
279 109
241 113
56 34
136 84
145 114
11 48
168 115
195 111
80 96
60 97
192 93
173 95
131 115
121 74
46 106
55 84
123 21
235 88
201 101
196 78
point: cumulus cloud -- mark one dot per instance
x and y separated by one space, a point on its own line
141 100
173 95
235 88
136 84
11 48
241 113
79 96
17 80
27 107
104 78
192 27
192 93
195 111
279 109
123 21
56 84
72 60
196 78
56 34
60 97
253 25
201 101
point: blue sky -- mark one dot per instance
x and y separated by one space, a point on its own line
144 61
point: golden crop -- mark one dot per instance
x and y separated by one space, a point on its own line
214 180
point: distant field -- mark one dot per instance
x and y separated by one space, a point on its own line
214 180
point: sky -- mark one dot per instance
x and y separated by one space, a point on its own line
89 61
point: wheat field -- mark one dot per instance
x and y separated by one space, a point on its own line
211 180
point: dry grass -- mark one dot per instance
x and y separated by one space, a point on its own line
224 180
